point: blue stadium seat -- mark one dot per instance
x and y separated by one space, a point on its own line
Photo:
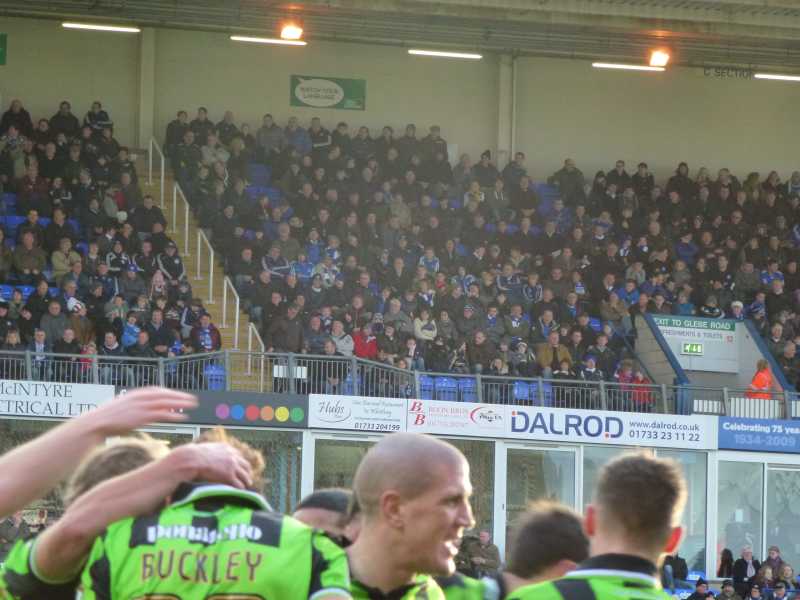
468 389
256 191
10 201
490 228
12 222
426 387
512 228
522 391
596 324
6 291
274 194
26 290
351 386
215 377
446 388
547 392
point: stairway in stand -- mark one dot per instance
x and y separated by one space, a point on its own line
240 378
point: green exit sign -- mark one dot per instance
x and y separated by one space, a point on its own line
692 349
3 48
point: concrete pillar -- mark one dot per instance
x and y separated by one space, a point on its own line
505 115
147 86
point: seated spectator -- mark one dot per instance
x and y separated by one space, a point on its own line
205 335
53 322
63 259
285 334
551 353
365 345
29 260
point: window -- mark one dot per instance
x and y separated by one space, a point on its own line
693 548
480 456
537 475
783 513
594 458
740 506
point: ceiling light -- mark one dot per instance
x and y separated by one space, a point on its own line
777 77
442 54
291 31
659 58
602 65
260 40
96 27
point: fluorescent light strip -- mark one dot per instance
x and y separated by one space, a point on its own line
95 27
602 65
260 40
775 77
443 54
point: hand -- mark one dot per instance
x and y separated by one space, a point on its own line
139 408
217 463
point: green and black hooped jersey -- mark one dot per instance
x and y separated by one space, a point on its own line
214 542
423 588
19 580
461 587
605 577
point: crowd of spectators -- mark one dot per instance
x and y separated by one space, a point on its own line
379 245
85 261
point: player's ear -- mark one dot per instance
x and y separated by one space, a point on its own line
675 537
590 521
563 567
391 508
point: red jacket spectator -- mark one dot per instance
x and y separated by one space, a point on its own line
365 344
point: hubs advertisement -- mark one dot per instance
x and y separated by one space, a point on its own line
698 432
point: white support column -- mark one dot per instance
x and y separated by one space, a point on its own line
500 474
506 108
307 464
147 86
712 492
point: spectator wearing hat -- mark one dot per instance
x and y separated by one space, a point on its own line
171 265
285 334
701 591
131 284
728 591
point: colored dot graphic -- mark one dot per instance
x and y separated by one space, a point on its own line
253 413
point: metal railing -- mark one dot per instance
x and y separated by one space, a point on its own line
177 193
155 147
306 374
226 285
202 241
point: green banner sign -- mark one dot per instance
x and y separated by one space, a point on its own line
3 48
327 92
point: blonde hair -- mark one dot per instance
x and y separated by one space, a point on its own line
120 456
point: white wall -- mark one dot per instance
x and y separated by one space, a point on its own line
567 108
47 64
197 68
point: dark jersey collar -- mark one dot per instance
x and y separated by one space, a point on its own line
619 562
419 585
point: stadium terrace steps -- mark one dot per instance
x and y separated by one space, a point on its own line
200 287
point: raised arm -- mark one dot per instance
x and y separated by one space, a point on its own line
61 550
33 469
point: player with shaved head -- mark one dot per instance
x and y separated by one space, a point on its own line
413 491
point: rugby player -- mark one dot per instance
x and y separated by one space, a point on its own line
325 509
547 542
627 538
215 542
49 566
30 471
413 491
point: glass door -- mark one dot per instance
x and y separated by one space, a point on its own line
783 513
538 474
